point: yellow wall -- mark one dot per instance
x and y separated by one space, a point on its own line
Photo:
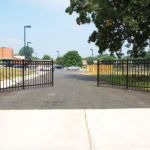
102 68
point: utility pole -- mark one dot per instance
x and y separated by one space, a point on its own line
29 26
92 59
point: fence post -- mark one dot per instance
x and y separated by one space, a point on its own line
52 73
98 73
127 77
23 73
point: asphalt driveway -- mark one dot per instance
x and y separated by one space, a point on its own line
74 91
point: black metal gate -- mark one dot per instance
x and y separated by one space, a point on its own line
126 74
23 74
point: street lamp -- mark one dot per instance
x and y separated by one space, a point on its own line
58 54
92 59
92 54
28 26
28 43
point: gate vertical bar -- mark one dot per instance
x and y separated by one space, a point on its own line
98 73
127 85
23 73
52 73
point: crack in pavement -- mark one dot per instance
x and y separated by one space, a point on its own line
87 127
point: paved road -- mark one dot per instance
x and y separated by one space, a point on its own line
74 91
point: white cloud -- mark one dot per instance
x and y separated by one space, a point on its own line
51 3
10 42
13 41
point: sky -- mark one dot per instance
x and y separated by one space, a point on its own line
52 28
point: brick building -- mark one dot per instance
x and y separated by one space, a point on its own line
6 53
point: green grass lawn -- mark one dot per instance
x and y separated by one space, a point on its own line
134 80
6 73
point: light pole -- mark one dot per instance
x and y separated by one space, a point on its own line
36 54
28 26
58 54
92 59
28 43
92 55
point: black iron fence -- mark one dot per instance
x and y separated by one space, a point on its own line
129 74
22 74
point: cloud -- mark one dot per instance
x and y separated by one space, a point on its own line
10 42
50 3
13 41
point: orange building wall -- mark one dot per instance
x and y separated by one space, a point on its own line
6 53
102 68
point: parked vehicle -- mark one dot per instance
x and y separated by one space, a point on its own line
58 66
7 64
18 66
73 68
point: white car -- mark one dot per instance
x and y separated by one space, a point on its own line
73 68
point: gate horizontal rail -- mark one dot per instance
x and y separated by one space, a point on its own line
126 74
23 74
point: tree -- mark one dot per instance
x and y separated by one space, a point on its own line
147 56
60 61
46 57
35 58
72 58
116 21
89 60
27 52
107 58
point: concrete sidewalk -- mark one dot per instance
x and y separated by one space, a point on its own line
118 129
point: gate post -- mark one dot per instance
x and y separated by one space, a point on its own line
98 73
127 78
23 68
52 73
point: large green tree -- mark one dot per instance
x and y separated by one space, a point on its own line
46 57
89 60
27 52
59 61
72 58
116 21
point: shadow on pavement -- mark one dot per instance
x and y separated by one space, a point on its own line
81 77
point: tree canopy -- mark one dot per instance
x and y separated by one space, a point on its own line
107 58
89 60
116 21
147 56
46 57
35 58
72 58
27 52
59 61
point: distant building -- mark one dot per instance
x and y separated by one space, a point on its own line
6 53
19 57
95 61
84 63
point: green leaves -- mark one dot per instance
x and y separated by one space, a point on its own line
128 21
27 52
46 57
72 58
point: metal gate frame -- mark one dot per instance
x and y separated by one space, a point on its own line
23 74
124 74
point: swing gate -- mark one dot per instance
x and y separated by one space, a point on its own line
23 74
